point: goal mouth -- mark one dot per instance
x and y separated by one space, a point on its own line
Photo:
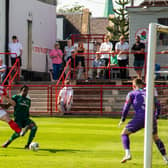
151 57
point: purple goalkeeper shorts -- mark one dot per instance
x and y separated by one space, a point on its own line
138 123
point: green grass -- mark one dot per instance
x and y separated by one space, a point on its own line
77 143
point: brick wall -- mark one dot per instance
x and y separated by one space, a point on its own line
98 25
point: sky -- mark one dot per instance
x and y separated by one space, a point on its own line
96 6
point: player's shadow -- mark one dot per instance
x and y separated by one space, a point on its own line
54 150
60 150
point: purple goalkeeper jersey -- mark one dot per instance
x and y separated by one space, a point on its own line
136 98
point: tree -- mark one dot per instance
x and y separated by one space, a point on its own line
73 9
118 23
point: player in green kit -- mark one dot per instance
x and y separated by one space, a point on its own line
21 104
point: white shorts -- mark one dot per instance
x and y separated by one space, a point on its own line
2 113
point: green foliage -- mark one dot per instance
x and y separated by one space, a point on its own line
120 21
77 143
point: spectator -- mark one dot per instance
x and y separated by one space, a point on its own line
96 47
79 70
68 50
157 69
2 70
98 72
113 63
139 56
122 47
15 47
80 56
56 56
65 98
106 47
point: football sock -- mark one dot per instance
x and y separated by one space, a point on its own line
125 141
160 146
14 136
127 152
14 126
32 134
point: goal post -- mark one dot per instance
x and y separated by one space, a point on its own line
151 56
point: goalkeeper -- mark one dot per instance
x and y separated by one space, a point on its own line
21 104
136 98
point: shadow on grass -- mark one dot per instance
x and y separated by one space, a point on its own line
54 150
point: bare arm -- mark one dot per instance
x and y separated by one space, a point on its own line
9 100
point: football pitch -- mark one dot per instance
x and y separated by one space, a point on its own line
77 143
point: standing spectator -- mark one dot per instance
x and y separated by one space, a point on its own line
68 51
2 70
106 47
80 57
136 98
21 104
15 47
98 72
139 56
122 47
65 98
56 56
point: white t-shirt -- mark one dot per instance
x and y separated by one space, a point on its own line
15 48
122 47
68 51
106 47
66 93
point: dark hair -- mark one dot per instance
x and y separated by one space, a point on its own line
138 82
24 87
14 37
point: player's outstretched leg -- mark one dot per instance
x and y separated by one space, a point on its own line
33 128
12 138
24 130
161 148
126 145
14 126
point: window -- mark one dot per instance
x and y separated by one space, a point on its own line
163 37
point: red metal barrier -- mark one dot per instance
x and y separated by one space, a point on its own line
88 99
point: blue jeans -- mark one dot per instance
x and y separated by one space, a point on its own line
56 71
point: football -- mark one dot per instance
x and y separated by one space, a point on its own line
34 146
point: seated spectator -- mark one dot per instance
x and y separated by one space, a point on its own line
98 72
157 68
65 98
79 70
2 70
113 63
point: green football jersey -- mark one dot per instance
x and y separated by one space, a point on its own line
21 110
